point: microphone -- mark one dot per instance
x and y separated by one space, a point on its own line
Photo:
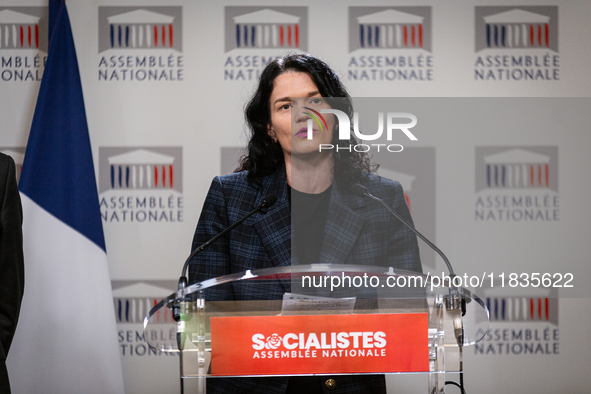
454 302
361 191
268 201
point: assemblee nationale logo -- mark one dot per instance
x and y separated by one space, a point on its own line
140 44
133 301
258 35
516 44
517 184
521 326
390 44
23 43
141 184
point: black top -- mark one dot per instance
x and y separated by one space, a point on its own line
308 217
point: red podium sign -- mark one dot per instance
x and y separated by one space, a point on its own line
321 344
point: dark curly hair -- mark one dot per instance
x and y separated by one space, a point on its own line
265 156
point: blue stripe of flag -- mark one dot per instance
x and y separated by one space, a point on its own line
58 170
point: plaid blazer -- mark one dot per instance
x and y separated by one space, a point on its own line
357 231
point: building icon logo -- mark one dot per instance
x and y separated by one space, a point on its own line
389 28
141 184
515 184
517 28
266 28
23 28
140 28
140 169
518 168
133 302
526 326
523 309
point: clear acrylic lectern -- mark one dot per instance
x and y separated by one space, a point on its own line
329 319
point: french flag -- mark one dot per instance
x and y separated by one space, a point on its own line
66 340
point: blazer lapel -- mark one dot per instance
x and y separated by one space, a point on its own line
274 226
343 226
344 223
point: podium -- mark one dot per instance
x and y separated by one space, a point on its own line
319 319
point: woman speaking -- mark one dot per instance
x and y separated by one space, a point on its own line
316 218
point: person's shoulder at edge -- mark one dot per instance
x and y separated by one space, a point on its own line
5 159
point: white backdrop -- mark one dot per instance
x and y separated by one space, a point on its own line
165 112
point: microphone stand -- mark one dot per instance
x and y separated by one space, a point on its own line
454 301
268 200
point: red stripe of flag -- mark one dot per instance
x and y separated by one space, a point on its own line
22 36
531 35
531 308
163 176
539 175
155 176
297 35
170 34
280 35
155 36
170 177
29 28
